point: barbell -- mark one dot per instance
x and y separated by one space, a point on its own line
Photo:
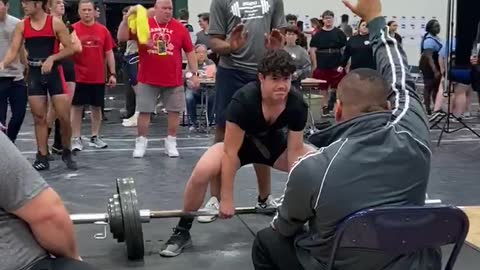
125 218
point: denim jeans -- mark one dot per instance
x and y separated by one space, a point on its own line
13 93
193 99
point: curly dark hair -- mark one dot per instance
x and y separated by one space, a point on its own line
277 62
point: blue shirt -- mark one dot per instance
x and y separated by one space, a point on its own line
432 42
443 51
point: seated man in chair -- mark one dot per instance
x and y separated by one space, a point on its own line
206 70
375 156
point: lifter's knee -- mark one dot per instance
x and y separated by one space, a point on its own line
208 167
40 119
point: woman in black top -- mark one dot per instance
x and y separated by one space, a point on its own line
359 50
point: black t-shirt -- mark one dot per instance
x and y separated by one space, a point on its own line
245 110
360 51
333 39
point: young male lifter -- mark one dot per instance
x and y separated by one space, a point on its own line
160 72
97 45
264 125
57 9
13 90
237 37
43 34
373 157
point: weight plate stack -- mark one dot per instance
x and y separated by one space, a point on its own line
115 218
132 224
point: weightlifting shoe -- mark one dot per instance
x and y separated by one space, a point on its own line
41 162
212 204
178 241
77 144
140 147
268 203
171 146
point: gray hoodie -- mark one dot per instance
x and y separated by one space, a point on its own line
378 159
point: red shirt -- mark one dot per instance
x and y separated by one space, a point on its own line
163 70
90 63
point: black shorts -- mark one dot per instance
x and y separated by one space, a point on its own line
46 84
89 94
263 150
475 76
68 70
459 75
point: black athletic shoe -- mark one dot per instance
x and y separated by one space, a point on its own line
57 149
67 158
41 163
178 241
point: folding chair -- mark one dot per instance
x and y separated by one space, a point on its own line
401 230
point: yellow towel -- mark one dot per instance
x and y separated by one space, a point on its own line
138 24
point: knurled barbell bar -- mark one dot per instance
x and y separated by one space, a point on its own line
125 219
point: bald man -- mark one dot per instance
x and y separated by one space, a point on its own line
377 155
160 73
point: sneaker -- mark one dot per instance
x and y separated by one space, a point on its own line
178 241
269 203
41 163
131 122
171 147
140 147
67 158
77 144
212 204
96 142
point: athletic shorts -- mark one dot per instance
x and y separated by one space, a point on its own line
462 76
475 76
68 70
263 150
227 82
332 76
173 98
89 94
46 84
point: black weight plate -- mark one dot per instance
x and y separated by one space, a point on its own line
116 219
131 219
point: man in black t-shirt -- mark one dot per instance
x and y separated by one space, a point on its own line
327 45
264 125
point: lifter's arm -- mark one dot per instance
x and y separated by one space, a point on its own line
50 224
15 45
234 136
123 33
65 39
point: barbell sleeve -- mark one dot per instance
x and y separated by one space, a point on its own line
88 218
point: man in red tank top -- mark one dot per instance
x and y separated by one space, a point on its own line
42 35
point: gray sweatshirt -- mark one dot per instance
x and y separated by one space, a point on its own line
15 69
377 159
302 61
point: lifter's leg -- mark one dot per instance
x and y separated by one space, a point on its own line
62 106
38 106
208 167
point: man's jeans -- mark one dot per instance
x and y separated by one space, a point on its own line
13 93
193 99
